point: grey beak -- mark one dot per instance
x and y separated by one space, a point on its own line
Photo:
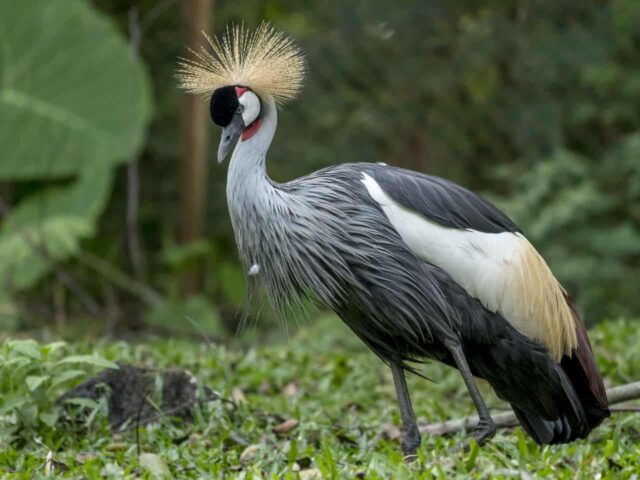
230 134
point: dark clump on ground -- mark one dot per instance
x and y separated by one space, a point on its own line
142 395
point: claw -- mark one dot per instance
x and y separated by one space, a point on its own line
412 457
482 434
485 431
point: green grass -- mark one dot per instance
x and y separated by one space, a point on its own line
343 398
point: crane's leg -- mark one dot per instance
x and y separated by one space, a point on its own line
410 434
486 429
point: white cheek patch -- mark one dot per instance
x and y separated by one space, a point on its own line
251 104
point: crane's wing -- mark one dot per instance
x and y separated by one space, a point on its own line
442 201
479 247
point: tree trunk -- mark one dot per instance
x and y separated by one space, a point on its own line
193 171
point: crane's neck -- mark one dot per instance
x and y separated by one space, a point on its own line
269 220
255 203
247 168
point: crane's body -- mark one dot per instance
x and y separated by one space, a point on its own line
418 267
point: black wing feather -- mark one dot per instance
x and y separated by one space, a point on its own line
440 200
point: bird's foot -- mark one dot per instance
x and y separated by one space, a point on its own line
411 440
484 432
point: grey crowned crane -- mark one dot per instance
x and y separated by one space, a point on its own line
417 266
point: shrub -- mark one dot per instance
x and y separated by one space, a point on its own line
32 377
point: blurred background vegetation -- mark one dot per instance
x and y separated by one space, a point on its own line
113 212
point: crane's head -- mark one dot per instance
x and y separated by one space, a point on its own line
238 73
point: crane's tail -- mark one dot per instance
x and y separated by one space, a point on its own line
581 399
569 423
583 372
554 402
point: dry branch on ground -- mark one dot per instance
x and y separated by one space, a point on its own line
622 393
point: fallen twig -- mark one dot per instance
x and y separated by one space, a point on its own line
623 393
630 409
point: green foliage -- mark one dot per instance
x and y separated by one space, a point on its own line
74 103
48 226
533 103
32 377
584 215
156 466
72 92
194 314
344 400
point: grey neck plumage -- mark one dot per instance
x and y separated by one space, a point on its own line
255 206
247 169
276 226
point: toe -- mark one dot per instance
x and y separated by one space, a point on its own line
412 457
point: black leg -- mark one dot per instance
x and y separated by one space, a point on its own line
410 433
486 429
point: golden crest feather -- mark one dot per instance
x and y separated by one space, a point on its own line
265 60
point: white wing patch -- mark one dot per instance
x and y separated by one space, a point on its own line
502 270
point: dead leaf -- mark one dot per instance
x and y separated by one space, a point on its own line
48 463
238 396
265 388
391 431
269 416
51 466
154 464
291 389
83 457
116 446
443 462
249 453
285 427
311 474
353 407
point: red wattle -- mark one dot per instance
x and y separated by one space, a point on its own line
251 130
240 91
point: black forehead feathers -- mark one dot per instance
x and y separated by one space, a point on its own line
224 103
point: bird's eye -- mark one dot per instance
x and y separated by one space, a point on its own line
240 109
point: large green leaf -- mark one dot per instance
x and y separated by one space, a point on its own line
71 91
93 360
74 102
48 226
